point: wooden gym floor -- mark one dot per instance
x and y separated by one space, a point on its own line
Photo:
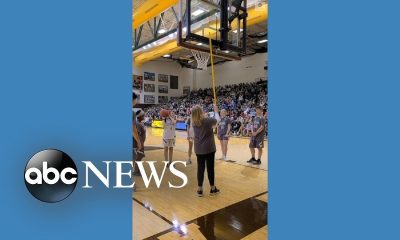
238 212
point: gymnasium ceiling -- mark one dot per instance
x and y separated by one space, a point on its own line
184 57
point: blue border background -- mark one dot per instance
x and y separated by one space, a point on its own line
334 119
65 83
65 72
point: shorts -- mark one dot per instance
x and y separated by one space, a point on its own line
222 137
169 142
256 143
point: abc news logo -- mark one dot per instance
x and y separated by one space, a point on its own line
51 175
44 172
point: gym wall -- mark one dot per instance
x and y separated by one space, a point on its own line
185 78
247 70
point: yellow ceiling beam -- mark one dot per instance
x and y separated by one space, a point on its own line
255 16
150 9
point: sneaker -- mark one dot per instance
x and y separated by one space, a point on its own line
257 162
199 193
225 158
252 160
214 191
189 161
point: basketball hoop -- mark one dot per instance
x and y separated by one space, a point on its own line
201 58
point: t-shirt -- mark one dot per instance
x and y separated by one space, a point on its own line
189 125
141 131
257 123
223 126
169 129
204 137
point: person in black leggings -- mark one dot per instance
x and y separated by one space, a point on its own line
204 146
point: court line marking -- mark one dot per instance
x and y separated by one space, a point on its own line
152 211
168 221
193 220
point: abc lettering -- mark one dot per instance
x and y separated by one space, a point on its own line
45 177
105 178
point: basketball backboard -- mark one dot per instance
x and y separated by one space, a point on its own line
224 21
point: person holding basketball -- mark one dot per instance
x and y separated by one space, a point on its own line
223 130
169 136
257 136
204 146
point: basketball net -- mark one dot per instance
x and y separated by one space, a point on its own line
201 58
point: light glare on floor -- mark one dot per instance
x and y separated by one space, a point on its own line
183 229
175 223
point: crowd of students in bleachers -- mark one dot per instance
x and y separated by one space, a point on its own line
239 100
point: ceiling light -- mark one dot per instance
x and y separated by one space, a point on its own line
199 44
198 12
227 51
235 31
263 41
167 56
161 31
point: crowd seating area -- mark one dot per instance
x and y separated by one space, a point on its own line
239 100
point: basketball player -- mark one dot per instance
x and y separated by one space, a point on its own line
257 136
204 146
135 132
137 144
142 135
223 130
169 137
190 136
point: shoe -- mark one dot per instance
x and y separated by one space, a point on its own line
225 159
199 193
169 163
214 191
221 158
252 160
189 161
257 162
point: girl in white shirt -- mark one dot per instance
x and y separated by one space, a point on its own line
190 137
169 137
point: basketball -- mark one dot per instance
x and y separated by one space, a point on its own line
164 113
